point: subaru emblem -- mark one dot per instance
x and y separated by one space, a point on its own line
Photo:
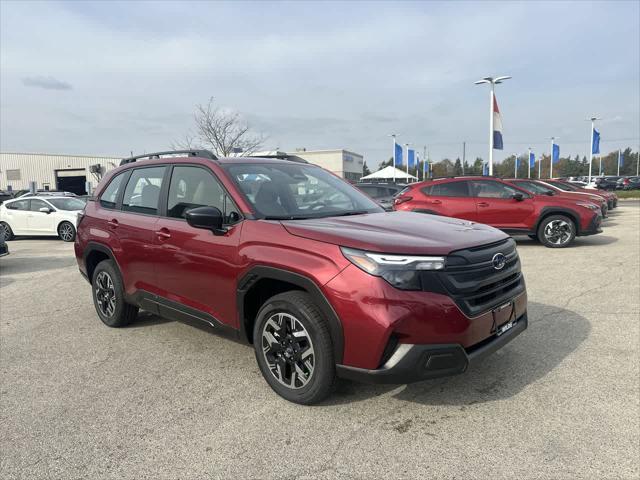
499 261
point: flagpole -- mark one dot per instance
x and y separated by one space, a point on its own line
407 155
593 119
529 163
424 159
551 158
618 162
464 156
638 163
393 137
515 162
491 100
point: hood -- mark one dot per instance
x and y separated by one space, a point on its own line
397 232
580 196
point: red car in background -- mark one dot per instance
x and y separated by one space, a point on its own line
538 187
555 222
611 198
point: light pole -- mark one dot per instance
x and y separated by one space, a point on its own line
593 126
493 82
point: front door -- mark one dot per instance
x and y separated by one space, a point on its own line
496 205
196 269
40 222
451 199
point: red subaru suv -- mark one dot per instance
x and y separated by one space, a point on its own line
555 222
288 257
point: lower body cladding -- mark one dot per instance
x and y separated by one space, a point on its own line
398 336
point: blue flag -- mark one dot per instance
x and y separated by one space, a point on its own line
485 169
555 154
620 158
517 162
411 157
595 146
532 160
398 155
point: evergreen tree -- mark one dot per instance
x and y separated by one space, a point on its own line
457 167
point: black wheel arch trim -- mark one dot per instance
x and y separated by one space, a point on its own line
98 247
547 211
261 272
423 210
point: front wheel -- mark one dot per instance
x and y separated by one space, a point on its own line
293 348
557 231
67 232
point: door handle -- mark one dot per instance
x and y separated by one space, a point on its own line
436 202
113 223
483 204
163 233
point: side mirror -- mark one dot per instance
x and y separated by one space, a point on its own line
207 218
518 196
551 193
46 210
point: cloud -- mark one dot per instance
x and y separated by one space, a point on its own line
48 83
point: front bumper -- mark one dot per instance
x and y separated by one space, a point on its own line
414 363
593 227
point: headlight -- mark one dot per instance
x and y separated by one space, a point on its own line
401 271
590 206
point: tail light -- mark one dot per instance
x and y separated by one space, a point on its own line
401 200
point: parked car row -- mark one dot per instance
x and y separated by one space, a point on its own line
550 211
608 182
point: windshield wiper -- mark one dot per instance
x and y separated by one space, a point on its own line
346 214
285 217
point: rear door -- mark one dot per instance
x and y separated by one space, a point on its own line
17 216
41 222
134 227
496 205
196 269
451 199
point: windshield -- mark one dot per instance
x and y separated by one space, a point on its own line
66 203
533 187
294 191
561 186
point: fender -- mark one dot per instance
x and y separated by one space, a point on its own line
546 211
261 272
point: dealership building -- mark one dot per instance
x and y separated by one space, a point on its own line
70 173
74 173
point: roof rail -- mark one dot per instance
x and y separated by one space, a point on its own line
280 156
190 153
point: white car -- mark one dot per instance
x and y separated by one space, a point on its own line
40 216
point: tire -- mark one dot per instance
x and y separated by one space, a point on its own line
557 231
108 296
67 232
6 232
281 354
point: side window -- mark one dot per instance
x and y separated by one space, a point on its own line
193 187
36 205
451 189
488 189
143 190
110 194
19 205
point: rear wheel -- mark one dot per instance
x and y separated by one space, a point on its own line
557 231
67 232
108 296
294 349
5 231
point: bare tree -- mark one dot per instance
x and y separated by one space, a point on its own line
224 132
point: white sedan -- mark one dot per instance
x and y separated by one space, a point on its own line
40 216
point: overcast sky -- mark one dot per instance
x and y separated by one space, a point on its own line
108 78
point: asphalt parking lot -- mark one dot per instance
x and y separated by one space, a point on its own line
164 400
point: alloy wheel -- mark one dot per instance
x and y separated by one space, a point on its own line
288 350
557 232
5 231
66 232
105 294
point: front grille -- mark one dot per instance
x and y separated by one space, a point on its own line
471 280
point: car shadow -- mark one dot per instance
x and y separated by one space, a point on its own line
596 240
24 264
553 335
